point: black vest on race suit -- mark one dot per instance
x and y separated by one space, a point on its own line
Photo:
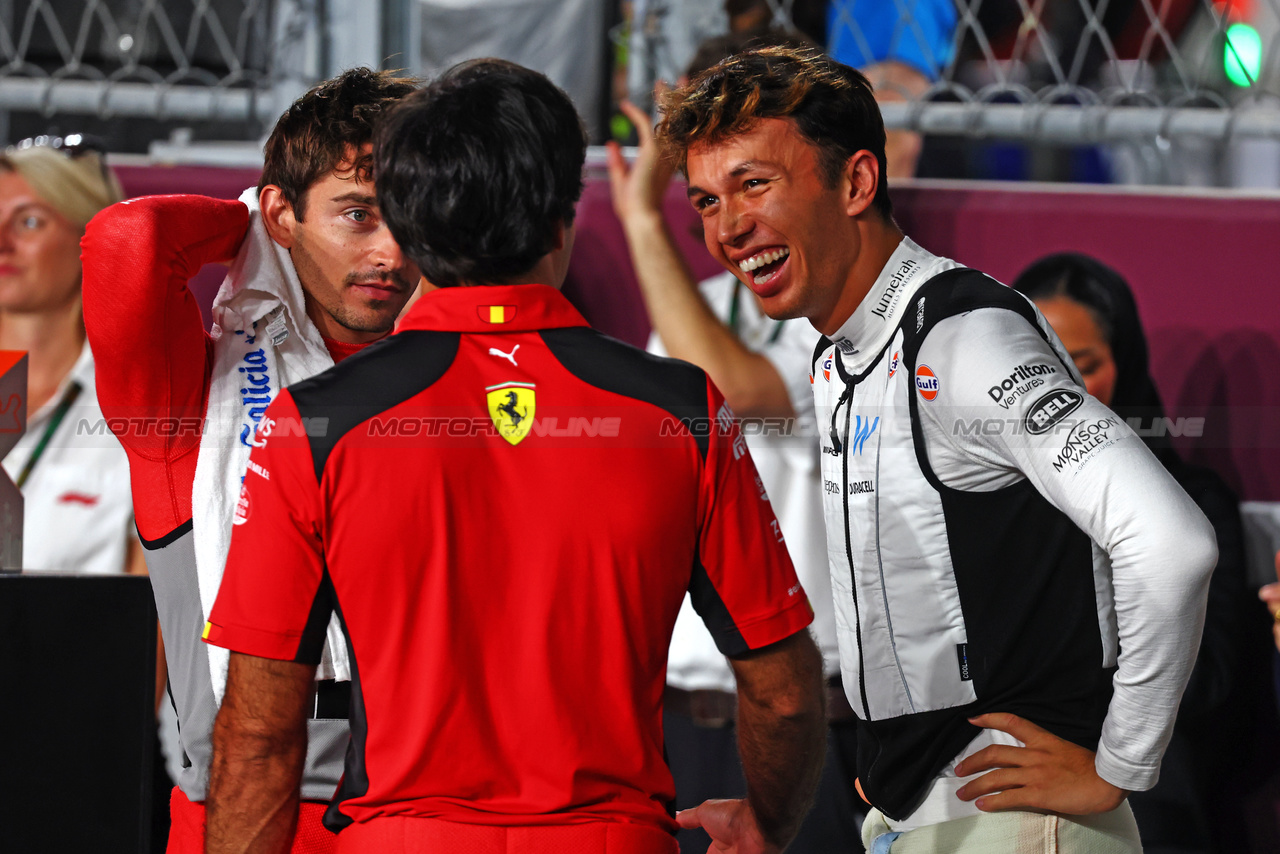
1025 637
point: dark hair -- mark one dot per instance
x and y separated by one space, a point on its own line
1078 278
320 130
831 104
1105 294
476 171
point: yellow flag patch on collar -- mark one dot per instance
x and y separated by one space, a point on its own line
496 313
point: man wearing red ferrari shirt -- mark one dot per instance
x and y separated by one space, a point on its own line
316 277
505 508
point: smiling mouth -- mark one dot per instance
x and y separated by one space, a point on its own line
763 266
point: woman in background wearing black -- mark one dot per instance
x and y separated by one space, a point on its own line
1195 807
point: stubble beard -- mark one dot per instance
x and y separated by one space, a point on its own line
331 298
362 319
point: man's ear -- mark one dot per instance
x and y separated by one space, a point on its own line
277 215
861 179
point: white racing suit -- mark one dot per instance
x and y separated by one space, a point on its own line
999 541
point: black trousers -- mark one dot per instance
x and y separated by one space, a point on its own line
704 762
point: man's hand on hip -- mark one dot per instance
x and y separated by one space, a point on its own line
1049 774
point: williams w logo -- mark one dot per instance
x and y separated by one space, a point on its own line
511 406
862 430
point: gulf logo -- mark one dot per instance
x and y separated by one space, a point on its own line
893 364
826 369
926 382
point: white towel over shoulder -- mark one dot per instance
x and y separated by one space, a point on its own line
263 341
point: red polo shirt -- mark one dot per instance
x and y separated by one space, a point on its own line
506 508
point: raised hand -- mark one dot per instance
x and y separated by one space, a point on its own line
1049 774
640 187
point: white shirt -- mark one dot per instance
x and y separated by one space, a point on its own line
786 456
77 508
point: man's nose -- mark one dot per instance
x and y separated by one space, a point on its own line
386 254
733 223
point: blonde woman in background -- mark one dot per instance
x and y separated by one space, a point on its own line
73 473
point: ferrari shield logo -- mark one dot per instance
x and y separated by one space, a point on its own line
511 406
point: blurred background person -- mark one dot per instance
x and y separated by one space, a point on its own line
760 365
903 48
73 473
78 509
1091 308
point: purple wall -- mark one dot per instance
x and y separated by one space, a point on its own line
219 182
1202 267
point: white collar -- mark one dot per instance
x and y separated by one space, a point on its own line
871 326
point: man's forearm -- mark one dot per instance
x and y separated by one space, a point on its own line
253 794
690 330
782 742
687 326
259 748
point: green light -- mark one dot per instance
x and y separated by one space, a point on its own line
1242 55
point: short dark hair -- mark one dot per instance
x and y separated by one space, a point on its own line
315 135
831 104
475 171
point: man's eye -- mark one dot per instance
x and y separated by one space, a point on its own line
30 223
704 202
360 216
751 183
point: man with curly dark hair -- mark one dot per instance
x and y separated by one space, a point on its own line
316 276
507 586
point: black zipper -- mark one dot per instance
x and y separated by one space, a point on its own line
847 396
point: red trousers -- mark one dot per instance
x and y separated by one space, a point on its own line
410 835
186 833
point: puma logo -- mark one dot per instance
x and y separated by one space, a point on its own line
510 357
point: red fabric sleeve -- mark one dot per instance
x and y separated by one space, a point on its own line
151 351
741 548
271 602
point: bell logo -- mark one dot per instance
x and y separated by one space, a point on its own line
926 382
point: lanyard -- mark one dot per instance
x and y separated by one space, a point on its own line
68 397
733 313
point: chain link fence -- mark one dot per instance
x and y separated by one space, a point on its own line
1056 71
1067 71
139 67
